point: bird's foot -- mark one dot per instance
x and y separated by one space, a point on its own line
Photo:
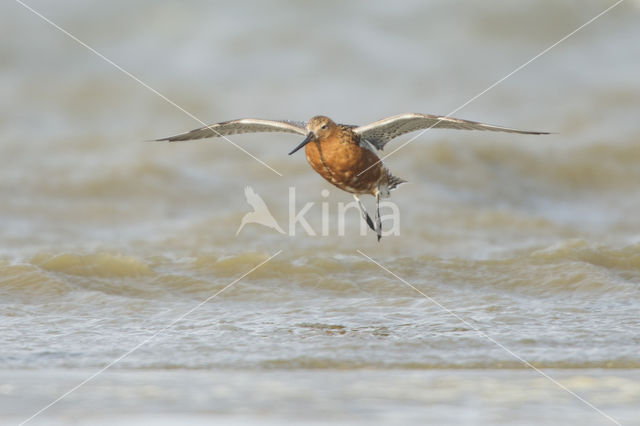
369 222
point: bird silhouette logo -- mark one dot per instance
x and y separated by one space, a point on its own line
260 214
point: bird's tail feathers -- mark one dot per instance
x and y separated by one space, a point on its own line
391 183
394 181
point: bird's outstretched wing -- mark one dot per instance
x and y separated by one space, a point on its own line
243 125
382 131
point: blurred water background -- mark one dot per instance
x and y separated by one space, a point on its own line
105 239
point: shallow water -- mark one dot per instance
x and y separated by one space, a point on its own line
508 249
344 397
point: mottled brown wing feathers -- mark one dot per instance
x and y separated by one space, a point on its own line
382 131
244 125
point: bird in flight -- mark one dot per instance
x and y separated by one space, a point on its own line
346 155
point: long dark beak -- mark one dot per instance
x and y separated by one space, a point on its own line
306 140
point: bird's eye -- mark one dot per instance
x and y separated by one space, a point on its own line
324 127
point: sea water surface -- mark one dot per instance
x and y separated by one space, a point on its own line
509 293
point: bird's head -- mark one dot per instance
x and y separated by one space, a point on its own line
318 127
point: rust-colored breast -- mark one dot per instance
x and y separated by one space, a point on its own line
339 159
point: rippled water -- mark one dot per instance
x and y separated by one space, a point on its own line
509 248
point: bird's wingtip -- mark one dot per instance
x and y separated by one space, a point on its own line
543 133
159 140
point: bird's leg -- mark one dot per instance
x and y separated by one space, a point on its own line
365 215
378 220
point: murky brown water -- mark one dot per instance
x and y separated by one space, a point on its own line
107 240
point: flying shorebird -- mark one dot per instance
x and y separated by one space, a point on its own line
345 155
